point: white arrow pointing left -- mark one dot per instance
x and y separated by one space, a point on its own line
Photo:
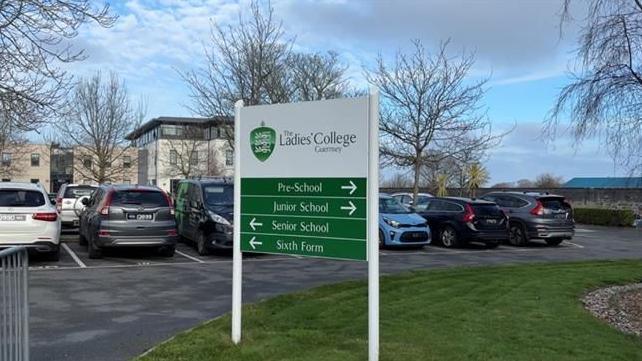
254 243
254 224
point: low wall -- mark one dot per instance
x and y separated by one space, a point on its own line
615 198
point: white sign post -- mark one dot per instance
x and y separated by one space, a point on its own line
306 183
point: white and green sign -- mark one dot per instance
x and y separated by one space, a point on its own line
303 179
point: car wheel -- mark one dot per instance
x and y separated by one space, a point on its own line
53 256
554 241
382 240
93 250
517 235
167 251
82 240
201 247
448 237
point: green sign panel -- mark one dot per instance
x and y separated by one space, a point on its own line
320 217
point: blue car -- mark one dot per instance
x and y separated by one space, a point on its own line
399 227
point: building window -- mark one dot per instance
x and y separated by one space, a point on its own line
35 180
35 160
229 157
86 162
193 159
127 181
6 159
127 161
173 157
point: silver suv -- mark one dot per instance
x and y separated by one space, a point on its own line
535 216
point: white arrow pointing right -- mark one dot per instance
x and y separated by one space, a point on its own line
350 208
352 187
254 243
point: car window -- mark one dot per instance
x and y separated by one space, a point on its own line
554 203
391 206
434 205
77 192
485 210
452 207
143 198
21 198
218 194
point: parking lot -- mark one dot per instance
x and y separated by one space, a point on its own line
117 307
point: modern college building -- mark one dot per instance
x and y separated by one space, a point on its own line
174 148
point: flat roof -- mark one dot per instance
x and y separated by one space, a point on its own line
153 123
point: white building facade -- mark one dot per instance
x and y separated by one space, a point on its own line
174 148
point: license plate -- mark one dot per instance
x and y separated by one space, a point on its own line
12 218
140 217
561 216
491 221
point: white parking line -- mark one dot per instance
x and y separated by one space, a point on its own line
584 230
73 255
190 257
574 244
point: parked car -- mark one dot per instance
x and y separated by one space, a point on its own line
128 216
69 202
536 216
204 213
400 227
29 219
458 221
406 200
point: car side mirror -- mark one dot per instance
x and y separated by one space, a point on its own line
85 201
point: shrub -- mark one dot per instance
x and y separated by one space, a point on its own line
604 217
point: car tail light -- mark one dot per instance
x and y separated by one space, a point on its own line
104 210
172 211
103 233
59 204
45 216
538 210
172 232
470 214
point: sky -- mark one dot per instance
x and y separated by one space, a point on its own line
519 47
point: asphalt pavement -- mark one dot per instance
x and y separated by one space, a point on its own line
122 305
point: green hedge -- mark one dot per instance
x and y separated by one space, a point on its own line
604 217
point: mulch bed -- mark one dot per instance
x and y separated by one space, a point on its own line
620 306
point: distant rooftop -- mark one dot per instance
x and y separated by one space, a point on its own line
151 124
605 182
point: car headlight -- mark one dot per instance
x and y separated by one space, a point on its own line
392 223
218 219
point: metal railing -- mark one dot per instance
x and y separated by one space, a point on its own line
14 304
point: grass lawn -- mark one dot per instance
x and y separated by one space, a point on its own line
508 313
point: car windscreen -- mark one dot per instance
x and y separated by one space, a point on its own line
554 203
77 192
218 194
141 198
21 198
486 210
391 206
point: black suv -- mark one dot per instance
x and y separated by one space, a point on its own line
204 213
456 221
535 216
128 216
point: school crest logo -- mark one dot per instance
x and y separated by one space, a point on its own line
262 141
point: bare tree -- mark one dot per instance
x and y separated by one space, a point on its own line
548 180
12 152
252 60
34 41
524 183
428 103
99 114
317 76
245 61
189 155
397 180
603 99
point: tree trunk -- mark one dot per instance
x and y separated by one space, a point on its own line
415 187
